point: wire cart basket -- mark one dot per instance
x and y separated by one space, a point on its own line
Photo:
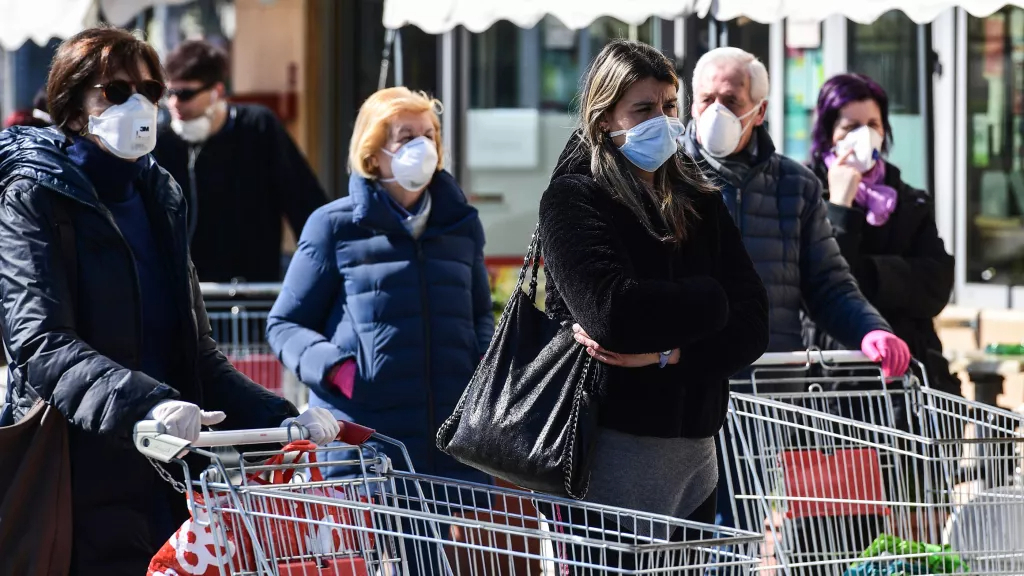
855 475
238 318
383 521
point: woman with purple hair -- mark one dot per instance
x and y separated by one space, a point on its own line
885 228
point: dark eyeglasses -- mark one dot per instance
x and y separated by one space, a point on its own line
119 91
186 94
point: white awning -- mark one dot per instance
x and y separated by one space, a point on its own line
863 11
438 16
41 20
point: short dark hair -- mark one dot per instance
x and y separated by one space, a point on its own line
198 60
89 58
836 93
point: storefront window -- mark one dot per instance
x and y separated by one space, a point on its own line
805 73
559 64
494 67
606 29
540 67
995 123
751 36
889 51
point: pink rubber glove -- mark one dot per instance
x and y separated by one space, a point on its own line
885 347
343 377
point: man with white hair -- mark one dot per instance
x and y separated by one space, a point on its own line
778 206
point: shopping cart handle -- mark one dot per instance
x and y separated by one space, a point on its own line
804 357
354 434
151 438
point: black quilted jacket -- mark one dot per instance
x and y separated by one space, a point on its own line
635 294
777 205
87 362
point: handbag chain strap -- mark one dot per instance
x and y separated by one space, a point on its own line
575 418
532 253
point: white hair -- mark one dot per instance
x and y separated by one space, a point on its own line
756 71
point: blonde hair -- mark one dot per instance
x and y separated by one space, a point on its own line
621 64
370 132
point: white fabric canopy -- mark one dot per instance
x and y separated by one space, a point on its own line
439 16
863 11
41 20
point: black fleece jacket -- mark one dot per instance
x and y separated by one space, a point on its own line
634 293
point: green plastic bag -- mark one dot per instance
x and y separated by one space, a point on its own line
939 559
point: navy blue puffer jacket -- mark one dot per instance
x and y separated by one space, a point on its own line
414 314
777 204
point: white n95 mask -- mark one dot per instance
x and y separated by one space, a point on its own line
720 130
197 129
866 143
127 130
414 164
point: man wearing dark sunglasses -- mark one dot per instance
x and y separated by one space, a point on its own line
240 171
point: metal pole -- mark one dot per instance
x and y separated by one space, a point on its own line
7 81
777 84
382 80
834 45
448 72
398 59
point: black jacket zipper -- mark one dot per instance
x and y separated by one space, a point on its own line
192 215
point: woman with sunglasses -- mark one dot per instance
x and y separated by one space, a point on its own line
100 308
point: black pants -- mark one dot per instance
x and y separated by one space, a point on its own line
601 526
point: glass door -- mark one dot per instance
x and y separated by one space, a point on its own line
990 207
990 211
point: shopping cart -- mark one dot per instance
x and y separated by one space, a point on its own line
872 477
238 317
384 521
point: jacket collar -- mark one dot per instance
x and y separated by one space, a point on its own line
732 169
893 176
449 207
39 154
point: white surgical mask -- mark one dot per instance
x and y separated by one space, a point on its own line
720 130
651 143
197 129
414 164
866 144
127 130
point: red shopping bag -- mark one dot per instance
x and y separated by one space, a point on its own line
323 535
851 478
193 550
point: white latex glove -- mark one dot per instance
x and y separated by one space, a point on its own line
184 419
323 427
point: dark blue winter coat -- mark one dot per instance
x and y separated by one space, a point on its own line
777 204
414 314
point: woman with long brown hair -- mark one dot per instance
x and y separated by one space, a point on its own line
643 257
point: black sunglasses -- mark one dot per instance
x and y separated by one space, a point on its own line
186 94
119 91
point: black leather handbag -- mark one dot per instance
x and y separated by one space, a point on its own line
529 414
